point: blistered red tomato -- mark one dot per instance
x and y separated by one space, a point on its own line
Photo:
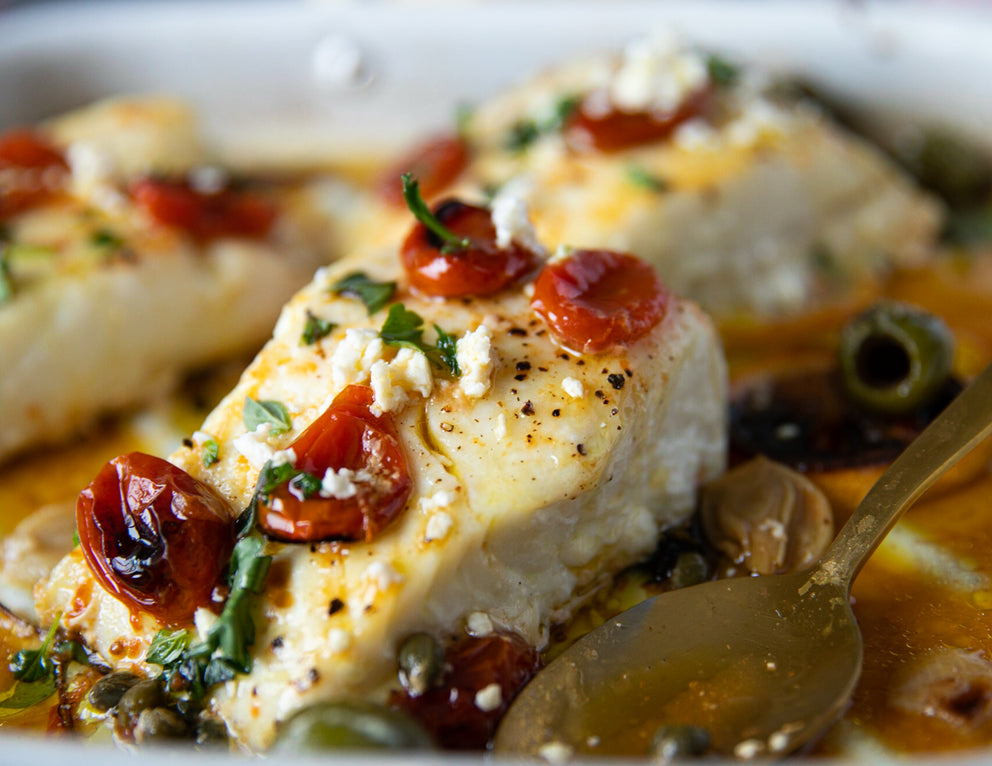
482 268
435 164
614 129
595 300
449 711
31 170
155 537
205 215
375 484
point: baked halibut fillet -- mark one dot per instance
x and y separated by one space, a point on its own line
751 204
127 259
533 476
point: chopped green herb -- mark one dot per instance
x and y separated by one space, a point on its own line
417 206
23 695
167 648
258 413
374 295
75 538
406 328
66 651
721 71
211 452
639 176
305 484
315 329
34 664
272 476
105 238
447 346
34 674
525 132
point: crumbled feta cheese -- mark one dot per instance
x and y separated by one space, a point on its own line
479 624
203 621
393 382
499 430
338 640
355 355
489 698
283 457
509 214
94 174
555 752
440 499
694 135
254 446
759 118
340 484
657 74
474 353
438 526
573 387
207 179
382 575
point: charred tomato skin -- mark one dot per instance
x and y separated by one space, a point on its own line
597 300
156 538
482 268
345 436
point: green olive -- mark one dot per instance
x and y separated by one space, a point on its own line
349 725
421 662
677 741
158 724
690 569
894 358
142 696
107 691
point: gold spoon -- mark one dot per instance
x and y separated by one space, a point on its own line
763 664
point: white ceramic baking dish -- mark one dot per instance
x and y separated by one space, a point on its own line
332 77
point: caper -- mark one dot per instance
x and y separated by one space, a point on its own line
894 358
142 696
676 741
210 732
159 723
421 662
690 568
107 691
350 724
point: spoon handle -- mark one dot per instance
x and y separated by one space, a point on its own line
959 428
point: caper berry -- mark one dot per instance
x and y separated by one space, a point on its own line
142 696
675 741
350 724
690 568
159 723
421 662
210 732
894 358
107 691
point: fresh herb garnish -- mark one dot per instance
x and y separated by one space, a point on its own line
721 71
305 485
75 538
167 648
266 412
639 176
406 328
374 295
211 452
415 202
105 238
525 132
315 329
34 674
34 664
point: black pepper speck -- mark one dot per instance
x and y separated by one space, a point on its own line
616 380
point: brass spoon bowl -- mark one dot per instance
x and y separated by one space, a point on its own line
764 664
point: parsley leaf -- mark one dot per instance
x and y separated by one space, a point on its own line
721 71
23 695
406 328
34 664
211 452
525 132
411 193
447 346
105 238
34 672
305 484
167 648
374 295
266 411
315 329
639 176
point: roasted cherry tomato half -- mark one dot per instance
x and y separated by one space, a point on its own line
435 163
614 130
595 300
205 215
155 537
482 268
345 436
449 710
31 170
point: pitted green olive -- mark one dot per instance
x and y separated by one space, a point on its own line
350 725
894 358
